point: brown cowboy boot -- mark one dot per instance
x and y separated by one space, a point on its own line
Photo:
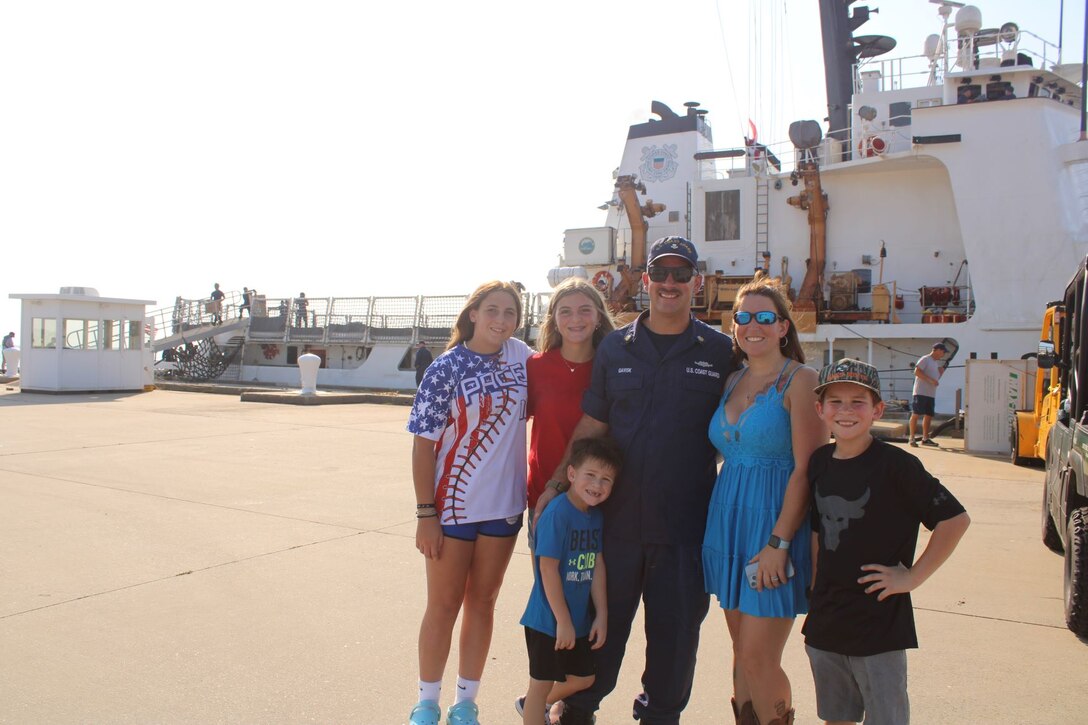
748 714
786 719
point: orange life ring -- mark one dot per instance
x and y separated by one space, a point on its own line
606 276
871 146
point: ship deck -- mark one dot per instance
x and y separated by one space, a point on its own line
177 557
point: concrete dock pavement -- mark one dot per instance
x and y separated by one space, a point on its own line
176 557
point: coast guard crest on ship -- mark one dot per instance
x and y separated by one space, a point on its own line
658 162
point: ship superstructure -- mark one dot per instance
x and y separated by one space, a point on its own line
951 204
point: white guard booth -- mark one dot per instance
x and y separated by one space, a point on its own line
77 341
996 389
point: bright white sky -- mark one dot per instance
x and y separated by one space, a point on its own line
151 148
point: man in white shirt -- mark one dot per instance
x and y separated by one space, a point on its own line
927 375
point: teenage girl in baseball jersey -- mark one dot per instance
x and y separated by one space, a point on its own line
576 323
468 467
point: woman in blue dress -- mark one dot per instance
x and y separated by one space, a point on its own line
765 428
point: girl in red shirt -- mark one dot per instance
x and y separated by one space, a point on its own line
576 322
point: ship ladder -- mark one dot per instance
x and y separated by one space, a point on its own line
763 251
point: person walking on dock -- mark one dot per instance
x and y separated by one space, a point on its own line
927 375
422 360
9 343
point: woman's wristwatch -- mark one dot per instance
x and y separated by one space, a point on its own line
557 486
778 543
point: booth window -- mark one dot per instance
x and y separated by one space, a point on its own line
111 335
80 334
43 332
134 335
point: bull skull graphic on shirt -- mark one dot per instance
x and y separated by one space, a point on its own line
836 513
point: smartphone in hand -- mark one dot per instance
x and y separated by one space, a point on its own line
752 570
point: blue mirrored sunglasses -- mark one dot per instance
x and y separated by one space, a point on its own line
764 318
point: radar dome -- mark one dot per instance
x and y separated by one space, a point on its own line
932 46
968 20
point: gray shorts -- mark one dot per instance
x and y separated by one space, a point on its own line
850 688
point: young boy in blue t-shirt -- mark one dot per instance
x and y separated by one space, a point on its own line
568 575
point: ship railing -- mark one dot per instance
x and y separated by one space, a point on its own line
874 75
392 319
990 52
894 138
743 161
270 318
307 319
897 385
436 317
333 320
192 318
936 304
347 319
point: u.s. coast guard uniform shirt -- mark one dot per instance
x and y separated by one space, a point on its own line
473 406
658 409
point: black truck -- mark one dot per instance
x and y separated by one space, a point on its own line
1065 499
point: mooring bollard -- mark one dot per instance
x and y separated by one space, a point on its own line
11 360
307 369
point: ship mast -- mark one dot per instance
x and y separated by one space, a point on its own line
840 53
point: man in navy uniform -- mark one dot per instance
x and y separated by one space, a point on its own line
656 383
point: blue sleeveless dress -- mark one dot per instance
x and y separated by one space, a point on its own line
747 499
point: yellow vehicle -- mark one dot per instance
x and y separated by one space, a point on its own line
1031 428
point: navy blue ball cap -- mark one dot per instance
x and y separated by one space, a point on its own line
673 247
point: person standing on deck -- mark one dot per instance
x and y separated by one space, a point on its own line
217 305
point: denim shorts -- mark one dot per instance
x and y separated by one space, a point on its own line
500 528
923 405
873 689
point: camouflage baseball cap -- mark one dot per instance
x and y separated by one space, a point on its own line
850 371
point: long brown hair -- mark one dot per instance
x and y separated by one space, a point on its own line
549 332
464 328
792 348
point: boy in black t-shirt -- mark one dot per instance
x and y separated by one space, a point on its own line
868 499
